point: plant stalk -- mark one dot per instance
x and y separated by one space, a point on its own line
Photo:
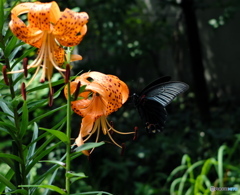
68 132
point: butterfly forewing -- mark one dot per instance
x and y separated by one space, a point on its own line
154 83
164 93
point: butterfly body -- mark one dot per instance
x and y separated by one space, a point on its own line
153 99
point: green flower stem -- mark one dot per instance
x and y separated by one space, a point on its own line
68 148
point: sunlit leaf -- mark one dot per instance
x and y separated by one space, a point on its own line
88 146
62 164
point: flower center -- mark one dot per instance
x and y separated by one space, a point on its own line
102 124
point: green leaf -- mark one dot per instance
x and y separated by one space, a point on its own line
19 191
10 45
220 164
40 156
75 176
5 181
11 156
62 164
25 54
6 109
60 135
51 187
24 122
88 146
1 15
8 176
94 192
46 114
32 147
52 178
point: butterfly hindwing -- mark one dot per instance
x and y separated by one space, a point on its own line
154 114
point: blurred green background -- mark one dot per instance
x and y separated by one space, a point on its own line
194 41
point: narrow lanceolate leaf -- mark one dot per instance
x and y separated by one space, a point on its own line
19 191
60 135
5 181
46 114
8 176
88 146
62 164
51 187
32 146
93 193
5 109
24 122
11 156
40 156
1 15
75 176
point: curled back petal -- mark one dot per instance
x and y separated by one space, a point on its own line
21 8
20 30
71 28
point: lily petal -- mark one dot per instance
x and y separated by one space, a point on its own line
71 27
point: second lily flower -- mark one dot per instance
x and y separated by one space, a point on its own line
103 95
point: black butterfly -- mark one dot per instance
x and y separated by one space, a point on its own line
153 99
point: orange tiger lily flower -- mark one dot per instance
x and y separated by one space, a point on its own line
49 30
103 95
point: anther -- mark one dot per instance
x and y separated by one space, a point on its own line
25 63
4 71
67 73
77 90
23 91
